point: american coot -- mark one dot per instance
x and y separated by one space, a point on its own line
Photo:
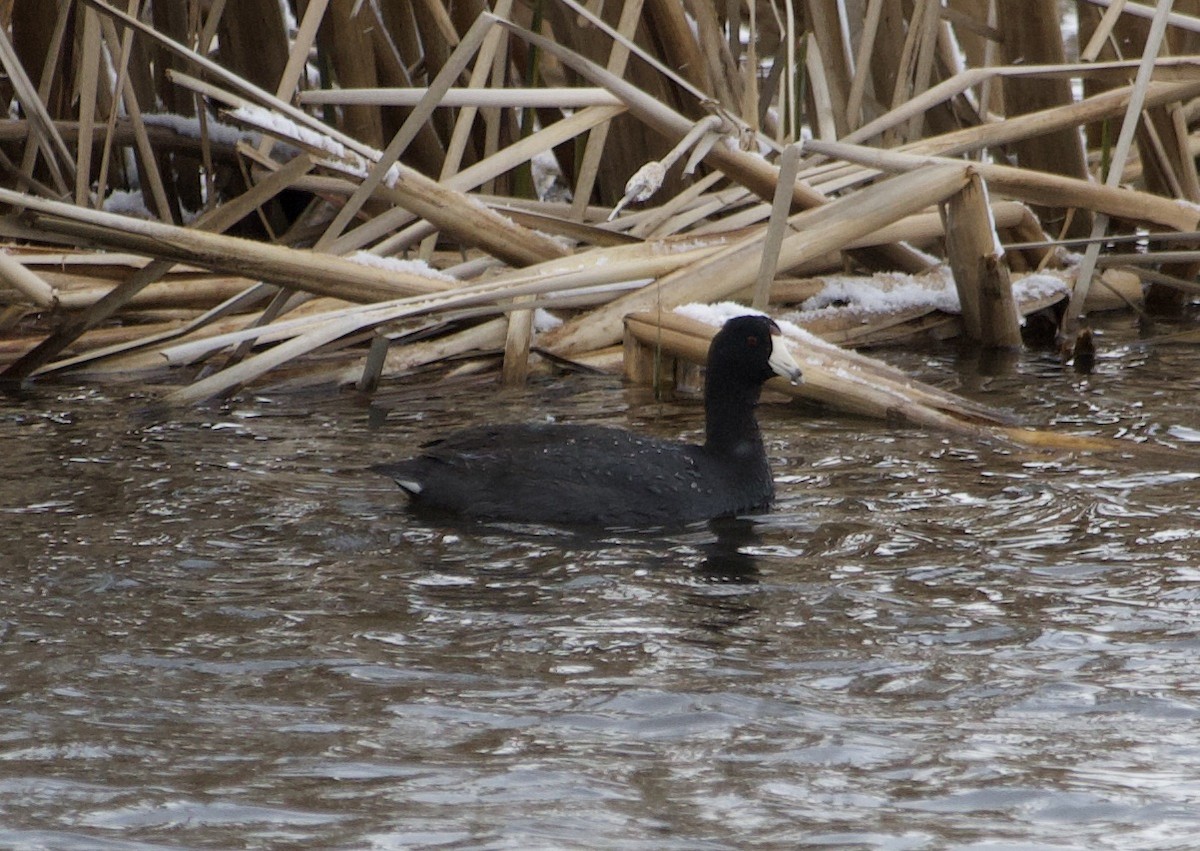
587 475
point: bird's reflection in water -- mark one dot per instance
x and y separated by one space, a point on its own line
725 600
725 557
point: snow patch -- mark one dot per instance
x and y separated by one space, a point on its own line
1038 285
885 292
1190 206
188 126
544 320
125 202
276 124
882 293
718 313
396 264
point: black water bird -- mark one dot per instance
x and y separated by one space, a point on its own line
588 475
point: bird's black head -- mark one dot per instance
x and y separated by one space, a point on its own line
751 349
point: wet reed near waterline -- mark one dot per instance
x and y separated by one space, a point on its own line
345 190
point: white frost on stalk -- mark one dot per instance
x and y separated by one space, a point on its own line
396 264
189 127
666 248
279 125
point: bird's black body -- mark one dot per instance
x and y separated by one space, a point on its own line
585 475
580 475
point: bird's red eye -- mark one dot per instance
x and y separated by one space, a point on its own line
752 341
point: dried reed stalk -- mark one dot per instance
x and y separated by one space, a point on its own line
27 283
828 228
217 220
1034 37
696 85
1120 153
1033 187
317 273
555 97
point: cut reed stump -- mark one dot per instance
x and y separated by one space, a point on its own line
980 274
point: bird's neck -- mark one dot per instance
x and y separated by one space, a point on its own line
730 425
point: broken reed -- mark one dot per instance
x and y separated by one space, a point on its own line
413 118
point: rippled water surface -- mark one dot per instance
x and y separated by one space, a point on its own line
219 632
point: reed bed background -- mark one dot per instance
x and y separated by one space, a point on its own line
200 195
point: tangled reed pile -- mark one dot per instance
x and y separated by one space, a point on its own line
209 194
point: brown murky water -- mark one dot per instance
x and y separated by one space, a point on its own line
219 632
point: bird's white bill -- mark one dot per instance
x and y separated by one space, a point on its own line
782 363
